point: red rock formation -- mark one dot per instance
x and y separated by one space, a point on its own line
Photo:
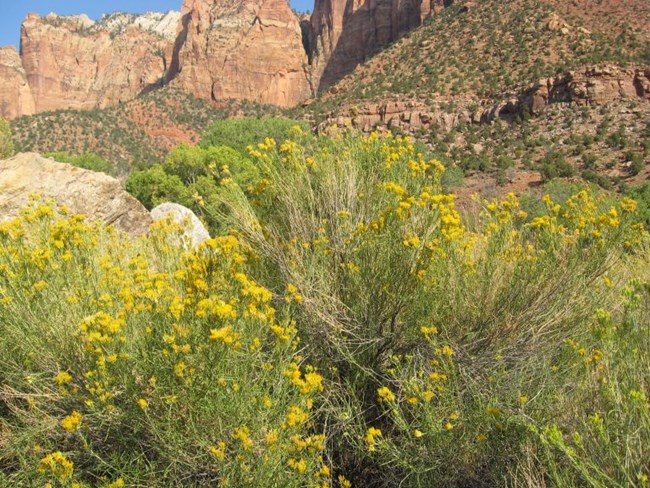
15 95
344 33
591 86
242 49
73 62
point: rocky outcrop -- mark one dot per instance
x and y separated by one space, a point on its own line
195 232
97 195
407 116
591 86
242 49
344 33
15 94
76 63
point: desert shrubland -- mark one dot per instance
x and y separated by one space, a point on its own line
348 326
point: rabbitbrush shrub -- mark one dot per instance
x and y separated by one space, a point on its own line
351 327
132 363
447 342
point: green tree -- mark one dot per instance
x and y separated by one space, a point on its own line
155 186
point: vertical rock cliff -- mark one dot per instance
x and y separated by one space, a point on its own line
73 62
344 33
15 94
245 49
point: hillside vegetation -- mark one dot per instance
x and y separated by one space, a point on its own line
139 132
489 49
347 326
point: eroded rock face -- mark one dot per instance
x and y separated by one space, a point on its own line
97 195
344 33
242 49
74 62
15 94
591 86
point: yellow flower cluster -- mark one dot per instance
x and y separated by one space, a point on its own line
57 465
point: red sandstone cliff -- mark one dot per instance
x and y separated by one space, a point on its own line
15 94
73 62
242 49
215 49
345 33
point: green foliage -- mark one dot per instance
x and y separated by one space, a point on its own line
190 162
6 143
155 186
641 194
192 176
241 133
90 161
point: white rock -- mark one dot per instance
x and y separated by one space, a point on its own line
195 231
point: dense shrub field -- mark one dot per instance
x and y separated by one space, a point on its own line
346 326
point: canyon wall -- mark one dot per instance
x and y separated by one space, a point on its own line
246 49
73 62
258 50
15 94
345 33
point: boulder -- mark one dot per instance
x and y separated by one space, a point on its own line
97 195
195 231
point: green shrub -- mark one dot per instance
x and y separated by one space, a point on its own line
129 362
90 161
6 143
437 336
241 133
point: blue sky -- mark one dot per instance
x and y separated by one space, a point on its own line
12 12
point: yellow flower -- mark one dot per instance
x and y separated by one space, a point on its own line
72 422
242 434
40 285
58 465
118 483
385 394
628 205
371 436
63 378
143 404
344 482
271 437
447 351
417 433
219 451
299 465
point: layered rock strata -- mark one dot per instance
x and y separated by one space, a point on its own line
589 86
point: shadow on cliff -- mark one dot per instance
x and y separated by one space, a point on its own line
175 65
366 31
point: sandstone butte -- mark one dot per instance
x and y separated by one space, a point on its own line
256 50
